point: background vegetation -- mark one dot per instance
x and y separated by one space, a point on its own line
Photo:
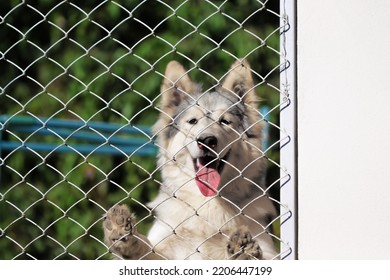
103 61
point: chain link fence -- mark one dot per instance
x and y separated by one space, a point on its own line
79 93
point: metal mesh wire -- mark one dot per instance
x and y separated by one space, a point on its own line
80 72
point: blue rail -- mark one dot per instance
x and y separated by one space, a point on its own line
77 136
62 136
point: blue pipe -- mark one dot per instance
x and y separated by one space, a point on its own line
147 150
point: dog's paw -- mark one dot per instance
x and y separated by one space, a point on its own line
241 246
119 229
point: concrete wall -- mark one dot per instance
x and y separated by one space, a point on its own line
343 102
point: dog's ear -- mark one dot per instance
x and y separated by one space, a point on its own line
239 82
177 85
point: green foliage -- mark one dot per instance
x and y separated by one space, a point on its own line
103 61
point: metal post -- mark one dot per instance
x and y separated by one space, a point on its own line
288 131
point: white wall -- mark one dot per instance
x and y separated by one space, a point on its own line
343 129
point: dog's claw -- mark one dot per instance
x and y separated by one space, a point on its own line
241 246
118 226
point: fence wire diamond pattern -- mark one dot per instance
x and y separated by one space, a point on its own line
79 93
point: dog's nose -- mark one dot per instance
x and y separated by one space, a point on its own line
208 142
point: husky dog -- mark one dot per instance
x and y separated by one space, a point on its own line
212 203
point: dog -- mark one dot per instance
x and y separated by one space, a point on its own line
212 203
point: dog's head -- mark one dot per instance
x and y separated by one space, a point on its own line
210 136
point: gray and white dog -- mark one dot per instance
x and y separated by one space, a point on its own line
212 203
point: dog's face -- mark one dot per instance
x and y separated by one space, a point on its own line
206 135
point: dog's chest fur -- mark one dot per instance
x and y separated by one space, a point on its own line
202 232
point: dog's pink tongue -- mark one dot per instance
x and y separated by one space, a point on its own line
207 180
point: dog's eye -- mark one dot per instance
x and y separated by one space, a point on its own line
225 121
193 121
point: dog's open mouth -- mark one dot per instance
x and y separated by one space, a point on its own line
208 171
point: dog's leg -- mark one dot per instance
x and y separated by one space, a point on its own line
121 236
241 246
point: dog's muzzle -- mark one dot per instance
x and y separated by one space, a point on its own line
209 166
